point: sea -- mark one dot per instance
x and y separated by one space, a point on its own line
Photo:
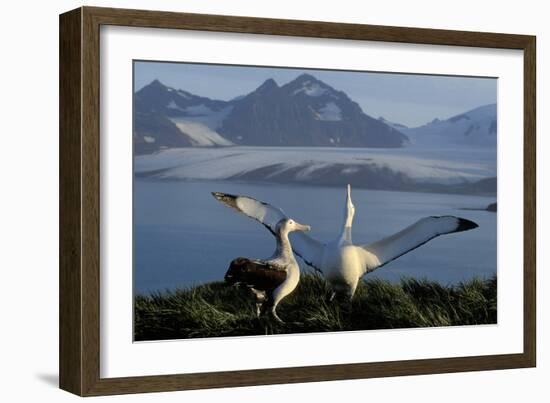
183 237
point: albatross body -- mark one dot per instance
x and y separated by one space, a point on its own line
272 279
342 262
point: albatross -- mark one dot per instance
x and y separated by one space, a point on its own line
273 279
342 262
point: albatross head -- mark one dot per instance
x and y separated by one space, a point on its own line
349 211
288 225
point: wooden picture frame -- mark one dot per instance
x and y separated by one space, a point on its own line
79 278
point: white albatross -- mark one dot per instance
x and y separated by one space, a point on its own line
340 261
271 279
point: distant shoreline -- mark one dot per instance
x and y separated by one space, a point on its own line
492 208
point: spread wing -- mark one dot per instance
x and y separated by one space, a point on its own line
384 251
309 249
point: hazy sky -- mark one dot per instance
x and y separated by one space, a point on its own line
402 98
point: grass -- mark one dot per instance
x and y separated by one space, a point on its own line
218 310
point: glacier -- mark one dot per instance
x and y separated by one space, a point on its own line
317 164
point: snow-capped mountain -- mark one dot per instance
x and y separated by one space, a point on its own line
167 118
475 128
182 136
154 131
304 112
395 125
171 102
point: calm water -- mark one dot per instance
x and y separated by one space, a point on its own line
184 237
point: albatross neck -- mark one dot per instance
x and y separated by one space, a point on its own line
345 235
283 244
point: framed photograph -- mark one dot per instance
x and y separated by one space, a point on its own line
249 201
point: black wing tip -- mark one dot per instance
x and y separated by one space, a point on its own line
465 225
220 195
225 198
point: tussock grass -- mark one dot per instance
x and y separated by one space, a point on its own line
219 310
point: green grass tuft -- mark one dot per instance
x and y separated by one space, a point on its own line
219 310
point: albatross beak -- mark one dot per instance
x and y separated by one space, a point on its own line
302 227
349 192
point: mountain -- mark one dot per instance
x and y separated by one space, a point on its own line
475 128
167 118
159 98
304 112
154 131
397 126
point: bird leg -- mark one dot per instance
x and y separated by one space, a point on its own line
260 297
342 292
258 309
